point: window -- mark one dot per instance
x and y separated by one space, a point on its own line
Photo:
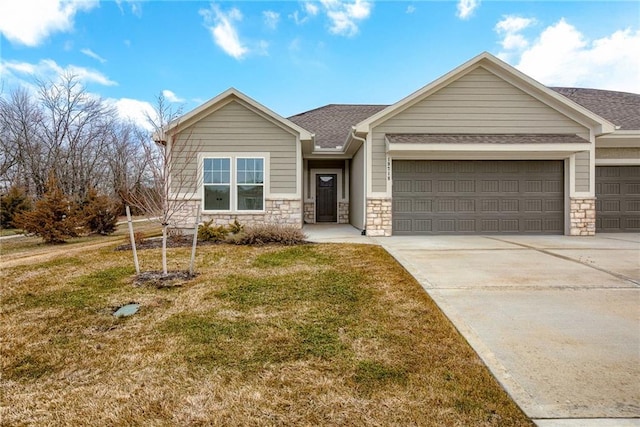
235 183
250 184
217 184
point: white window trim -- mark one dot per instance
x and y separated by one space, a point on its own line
233 196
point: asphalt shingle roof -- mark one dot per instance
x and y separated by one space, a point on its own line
620 108
332 123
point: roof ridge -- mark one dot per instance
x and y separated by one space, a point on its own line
338 105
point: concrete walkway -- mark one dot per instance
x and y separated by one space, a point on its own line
555 318
335 233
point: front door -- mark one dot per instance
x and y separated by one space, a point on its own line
326 198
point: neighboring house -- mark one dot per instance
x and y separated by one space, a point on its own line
484 149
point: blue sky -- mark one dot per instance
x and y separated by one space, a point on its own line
294 56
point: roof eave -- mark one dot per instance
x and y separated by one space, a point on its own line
600 125
191 117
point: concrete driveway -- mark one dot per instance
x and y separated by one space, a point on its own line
555 318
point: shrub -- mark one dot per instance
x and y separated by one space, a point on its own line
11 204
54 217
99 213
270 233
139 238
208 232
236 227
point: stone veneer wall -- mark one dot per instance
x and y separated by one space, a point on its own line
287 212
309 213
343 212
378 217
582 217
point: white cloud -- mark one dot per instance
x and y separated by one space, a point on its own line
509 28
271 19
224 33
309 9
344 16
30 22
561 55
410 9
135 5
171 96
93 55
134 110
466 8
48 69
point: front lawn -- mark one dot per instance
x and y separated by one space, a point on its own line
304 335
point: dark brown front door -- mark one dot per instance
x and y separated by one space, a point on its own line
327 198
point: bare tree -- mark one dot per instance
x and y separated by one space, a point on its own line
172 181
61 128
19 141
75 132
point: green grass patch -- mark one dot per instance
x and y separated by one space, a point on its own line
29 367
296 255
88 291
372 375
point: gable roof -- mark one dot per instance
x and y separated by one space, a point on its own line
508 73
223 99
620 108
332 123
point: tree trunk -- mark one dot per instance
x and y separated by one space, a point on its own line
164 249
133 241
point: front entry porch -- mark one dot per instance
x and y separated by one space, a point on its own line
335 233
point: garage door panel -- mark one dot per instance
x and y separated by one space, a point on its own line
422 186
478 197
617 198
633 189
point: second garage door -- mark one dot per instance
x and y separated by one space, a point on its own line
478 197
617 199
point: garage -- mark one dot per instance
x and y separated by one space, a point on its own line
478 197
617 199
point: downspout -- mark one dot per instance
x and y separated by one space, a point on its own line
364 192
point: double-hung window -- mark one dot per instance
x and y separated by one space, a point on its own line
233 183
250 184
217 184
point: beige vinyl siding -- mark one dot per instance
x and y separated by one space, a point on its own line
479 102
582 171
628 153
357 189
236 128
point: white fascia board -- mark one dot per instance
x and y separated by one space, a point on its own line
617 162
399 148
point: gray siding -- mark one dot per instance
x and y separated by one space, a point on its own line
629 153
357 189
582 171
478 102
235 128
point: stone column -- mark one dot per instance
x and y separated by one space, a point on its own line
378 217
582 217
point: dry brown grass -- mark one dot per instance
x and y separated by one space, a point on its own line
305 335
